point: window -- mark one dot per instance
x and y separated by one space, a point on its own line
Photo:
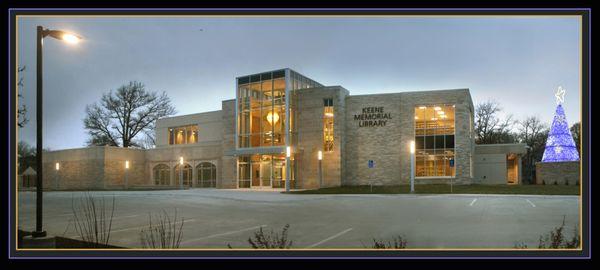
162 175
187 174
434 141
206 175
183 135
261 110
328 125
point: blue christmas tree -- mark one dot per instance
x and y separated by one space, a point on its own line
560 146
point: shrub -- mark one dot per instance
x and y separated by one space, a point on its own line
91 220
270 240
520 245
566 182
543 182
164 234
397 242
555 183
556 238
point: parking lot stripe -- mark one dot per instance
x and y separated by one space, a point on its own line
136 228
473 202
533 205
329 238
222 234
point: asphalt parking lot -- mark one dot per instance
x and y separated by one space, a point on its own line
214 218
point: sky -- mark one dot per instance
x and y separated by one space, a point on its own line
516 61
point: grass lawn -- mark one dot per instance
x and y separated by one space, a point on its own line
445 189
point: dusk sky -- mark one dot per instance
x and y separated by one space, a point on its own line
517 61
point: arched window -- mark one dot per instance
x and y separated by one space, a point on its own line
206 175
162 175
187 174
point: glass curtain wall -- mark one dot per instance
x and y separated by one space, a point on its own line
261 107
434 141
261 110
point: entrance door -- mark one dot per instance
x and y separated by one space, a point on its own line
512 169
255 174
265 173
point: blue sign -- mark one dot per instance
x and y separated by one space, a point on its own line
371 163
452 163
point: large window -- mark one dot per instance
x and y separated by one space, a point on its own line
261 100
328 125
187 174
206 175
162 175
434 141
261 110
183 135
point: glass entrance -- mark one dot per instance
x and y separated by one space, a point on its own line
266 171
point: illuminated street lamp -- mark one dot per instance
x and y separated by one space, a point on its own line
126 174
412 166
68 38
181 173
288 154
320 157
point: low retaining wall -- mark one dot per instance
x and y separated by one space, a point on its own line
561 173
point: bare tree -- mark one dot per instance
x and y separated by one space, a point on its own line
489 127
576 133
22 110
533 133
121 116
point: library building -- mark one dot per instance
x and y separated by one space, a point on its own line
284 128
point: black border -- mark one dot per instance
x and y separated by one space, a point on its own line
586 185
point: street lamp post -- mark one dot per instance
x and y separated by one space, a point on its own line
57 168
181 173
320 157
126 174
41 34
288 154
412 166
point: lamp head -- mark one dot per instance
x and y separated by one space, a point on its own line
320 155
64 36
412 147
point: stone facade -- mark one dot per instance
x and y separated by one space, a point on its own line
92 168
388 146
560 173
310 137
229 162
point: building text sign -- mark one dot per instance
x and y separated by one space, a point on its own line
372 117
